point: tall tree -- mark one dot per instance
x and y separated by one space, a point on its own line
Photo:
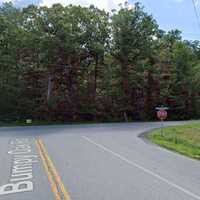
133 33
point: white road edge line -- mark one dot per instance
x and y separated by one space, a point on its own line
143 169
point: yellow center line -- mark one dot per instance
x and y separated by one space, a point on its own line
49 175
55 181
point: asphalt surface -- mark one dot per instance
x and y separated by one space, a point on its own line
100 162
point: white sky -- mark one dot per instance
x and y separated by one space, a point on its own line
102 4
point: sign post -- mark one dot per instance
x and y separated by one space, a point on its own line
162 115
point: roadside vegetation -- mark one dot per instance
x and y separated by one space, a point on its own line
24 123
40 123
75 64
184 139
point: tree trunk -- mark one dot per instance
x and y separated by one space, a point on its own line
49 89
125 80
95 78
149 96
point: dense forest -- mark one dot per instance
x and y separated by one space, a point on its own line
84 64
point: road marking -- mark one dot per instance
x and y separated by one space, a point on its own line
49 175
22 167
147 171
56 183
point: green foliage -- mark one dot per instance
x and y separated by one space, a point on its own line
75 63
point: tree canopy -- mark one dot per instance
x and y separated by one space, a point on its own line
73 63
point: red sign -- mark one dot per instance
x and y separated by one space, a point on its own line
162 114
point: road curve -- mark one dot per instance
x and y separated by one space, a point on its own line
93 162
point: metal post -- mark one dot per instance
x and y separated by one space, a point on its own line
162 128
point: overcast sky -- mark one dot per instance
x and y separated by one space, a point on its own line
170 14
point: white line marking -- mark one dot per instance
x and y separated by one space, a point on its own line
143 169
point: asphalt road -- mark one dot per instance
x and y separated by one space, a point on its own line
95 162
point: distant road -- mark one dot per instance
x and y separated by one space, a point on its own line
93 162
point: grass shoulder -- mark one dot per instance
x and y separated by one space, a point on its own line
184 139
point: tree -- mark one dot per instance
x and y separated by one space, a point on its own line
133 34
74 63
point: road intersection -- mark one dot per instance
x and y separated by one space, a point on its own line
93 162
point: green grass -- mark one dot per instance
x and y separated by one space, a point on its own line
184 139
